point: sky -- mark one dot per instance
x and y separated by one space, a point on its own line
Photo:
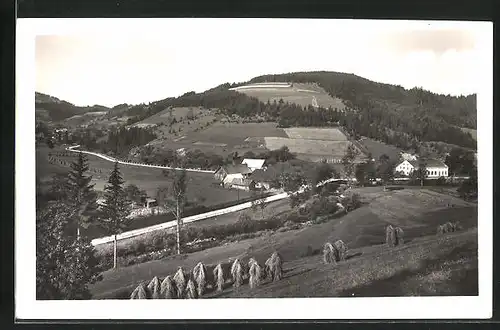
132 62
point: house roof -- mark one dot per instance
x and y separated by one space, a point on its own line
235 169
238 181
428 163
254 163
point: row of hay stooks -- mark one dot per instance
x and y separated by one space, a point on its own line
194 284
394 236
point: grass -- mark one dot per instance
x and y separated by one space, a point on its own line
430 267
306 146
378 148
301 94
199 189
363 230
331 134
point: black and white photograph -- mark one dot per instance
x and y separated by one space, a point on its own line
253 168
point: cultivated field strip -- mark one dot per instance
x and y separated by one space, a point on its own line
111 159
308 146
331 134
197 217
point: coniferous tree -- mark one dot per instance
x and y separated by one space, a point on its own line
81 193
64 267
116 207
348 160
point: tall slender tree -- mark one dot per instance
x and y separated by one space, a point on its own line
348 160
178 194
81 193
116 208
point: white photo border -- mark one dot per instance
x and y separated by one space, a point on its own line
27 307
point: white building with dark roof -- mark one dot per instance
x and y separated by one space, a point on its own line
435 168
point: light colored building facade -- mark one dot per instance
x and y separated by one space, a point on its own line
435 168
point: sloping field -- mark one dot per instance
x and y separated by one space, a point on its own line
180 113
378 148
432 266
233 134
302 94
331 134
306 146
199 187
362 230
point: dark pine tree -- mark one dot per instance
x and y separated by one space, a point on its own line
81 194
116 207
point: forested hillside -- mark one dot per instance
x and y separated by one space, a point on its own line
387 113
59 110
384 112
416 112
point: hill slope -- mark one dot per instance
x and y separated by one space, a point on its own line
51 108
417 211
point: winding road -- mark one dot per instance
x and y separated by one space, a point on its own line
111 159
193 218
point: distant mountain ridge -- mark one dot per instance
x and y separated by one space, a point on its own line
54 109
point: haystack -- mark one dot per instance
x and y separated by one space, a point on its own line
139 293
167 288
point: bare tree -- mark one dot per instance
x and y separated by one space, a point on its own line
175 206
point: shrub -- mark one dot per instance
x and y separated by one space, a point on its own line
246 223
353 202
158 242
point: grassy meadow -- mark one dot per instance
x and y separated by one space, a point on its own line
441 261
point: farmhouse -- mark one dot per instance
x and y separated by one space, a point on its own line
237 183
254 164
263 178
150 202
435 168
225 174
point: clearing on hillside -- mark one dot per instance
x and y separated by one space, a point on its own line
302 94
